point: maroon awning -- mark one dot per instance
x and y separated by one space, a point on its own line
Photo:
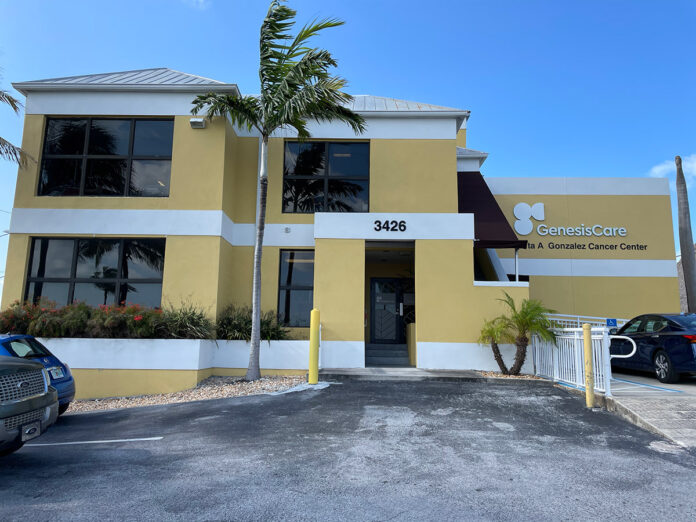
491 228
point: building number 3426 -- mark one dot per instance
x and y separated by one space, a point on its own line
390 226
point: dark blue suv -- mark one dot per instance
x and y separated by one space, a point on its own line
27 347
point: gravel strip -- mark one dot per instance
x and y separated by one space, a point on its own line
211 388
499 375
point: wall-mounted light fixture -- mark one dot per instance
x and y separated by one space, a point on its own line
197 123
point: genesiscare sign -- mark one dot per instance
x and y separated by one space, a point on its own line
525 213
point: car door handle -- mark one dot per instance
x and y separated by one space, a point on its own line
654 336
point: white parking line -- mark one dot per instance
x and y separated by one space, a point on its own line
93 442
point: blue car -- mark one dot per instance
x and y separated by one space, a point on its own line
665 344
27 347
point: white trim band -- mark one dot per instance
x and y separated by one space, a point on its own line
594 267
403 226
122 222
579 186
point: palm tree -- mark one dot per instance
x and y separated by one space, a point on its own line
495 332
517 327
296 86
686 242
7 150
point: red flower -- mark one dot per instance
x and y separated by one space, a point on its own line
138 318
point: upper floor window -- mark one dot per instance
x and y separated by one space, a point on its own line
326 177
96 271
106 157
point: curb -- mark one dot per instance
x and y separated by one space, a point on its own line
435 378
629 415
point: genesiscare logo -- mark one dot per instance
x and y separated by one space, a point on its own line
524 212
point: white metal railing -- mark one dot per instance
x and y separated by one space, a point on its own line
576 321
564 360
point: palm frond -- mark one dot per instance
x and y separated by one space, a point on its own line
8 99
296 84
273 49
244 111
310 30
12 153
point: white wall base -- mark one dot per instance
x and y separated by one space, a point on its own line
342 354
466 356
192 354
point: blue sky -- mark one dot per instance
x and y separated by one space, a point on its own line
572 88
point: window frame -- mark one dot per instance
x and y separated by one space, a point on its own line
285 288
86 156
72 279
326 177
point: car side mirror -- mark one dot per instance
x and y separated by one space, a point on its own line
613 331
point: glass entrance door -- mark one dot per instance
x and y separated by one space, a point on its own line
392 306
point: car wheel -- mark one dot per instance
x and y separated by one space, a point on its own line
10 448
62 408
664 369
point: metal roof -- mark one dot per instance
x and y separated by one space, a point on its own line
158 79
369 103
471 153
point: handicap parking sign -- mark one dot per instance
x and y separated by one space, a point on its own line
611 322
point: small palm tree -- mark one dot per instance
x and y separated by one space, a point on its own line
494 332
296 86
7 150
517 326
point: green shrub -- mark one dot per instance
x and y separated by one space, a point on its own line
186 322
17 317
235 324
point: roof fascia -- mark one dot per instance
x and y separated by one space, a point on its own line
28 87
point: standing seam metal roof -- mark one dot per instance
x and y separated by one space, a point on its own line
368 103
158 76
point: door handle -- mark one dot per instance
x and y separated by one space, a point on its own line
655 335
401 309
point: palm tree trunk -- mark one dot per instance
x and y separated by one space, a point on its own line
686 242
499 358
520 356
254 370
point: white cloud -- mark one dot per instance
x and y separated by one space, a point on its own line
198 4
667 169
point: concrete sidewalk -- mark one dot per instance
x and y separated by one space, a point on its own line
666 409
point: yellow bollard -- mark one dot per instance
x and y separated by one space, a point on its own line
589 372
313 347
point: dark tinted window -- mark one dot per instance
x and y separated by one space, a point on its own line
143 259
65 136
153 138
349 160
150 178
60 177
295 288
51 258
655 324
26 348
106 157
106 177
304 159
97 258
109 137
326 177
633 326
96 271
687 321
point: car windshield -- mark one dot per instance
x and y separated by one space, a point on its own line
687 321
26 348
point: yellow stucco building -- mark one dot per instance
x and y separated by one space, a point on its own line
130 198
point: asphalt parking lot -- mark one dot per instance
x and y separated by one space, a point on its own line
354 451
